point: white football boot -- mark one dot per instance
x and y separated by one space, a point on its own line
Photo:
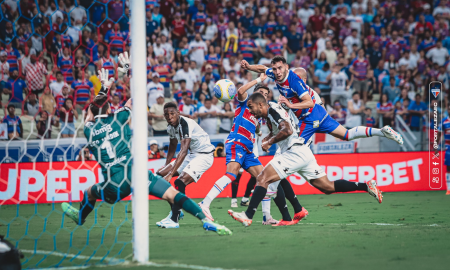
392 134
169 224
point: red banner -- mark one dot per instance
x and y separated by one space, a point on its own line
44 182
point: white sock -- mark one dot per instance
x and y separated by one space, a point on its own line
218 187
447 176
266 208
233 200
362 132
244 199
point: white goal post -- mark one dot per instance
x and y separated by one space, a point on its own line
138 82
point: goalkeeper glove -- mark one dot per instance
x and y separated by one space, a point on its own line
106 84
125 62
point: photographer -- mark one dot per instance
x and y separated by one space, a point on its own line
155 152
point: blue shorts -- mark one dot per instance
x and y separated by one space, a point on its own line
67 129
238 154
319 121
447 156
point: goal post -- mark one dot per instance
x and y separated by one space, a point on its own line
140 126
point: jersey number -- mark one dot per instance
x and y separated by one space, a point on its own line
107 145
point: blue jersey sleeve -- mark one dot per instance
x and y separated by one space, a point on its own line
269 73
243 103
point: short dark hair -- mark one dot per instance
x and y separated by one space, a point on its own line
10 105
170 105
257 98
277 59
259 86
208 99
182 81
355 93
100 105
58 73
184 94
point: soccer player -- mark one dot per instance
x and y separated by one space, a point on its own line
189 167
294 156
109 137
312 118
240 151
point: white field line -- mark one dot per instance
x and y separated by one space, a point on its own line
112 262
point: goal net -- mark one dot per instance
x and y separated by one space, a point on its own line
50 56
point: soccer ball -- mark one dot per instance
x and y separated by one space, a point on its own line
224 90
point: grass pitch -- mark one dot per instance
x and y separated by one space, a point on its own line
409 230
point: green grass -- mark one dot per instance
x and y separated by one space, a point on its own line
341 232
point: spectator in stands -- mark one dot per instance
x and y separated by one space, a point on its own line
352 40
187 75
226 118
34 75
320 78
208 115
115 104
44 125
155 152
385 110
61 98
85 155
355 108
31 107
186 106
82 89
47 102
438 54
338 113
391 90
178 95
154 88
198 49
15 88
4 67
205 90
165 72
15 128
67 115
159 124
369 120
58 85
417 110
339 85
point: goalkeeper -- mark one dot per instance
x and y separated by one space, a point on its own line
109 137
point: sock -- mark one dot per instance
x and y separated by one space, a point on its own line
280 201
244 199
347 186
233 200
290 195
362 132
188 205
176 208
266 208
250 186
447 176
258 196
235 186
218 187
86 208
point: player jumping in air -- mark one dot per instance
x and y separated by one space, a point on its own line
294 156
109 138
240 154
312 118
189 167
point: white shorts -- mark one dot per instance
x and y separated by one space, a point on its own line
298 159
195 164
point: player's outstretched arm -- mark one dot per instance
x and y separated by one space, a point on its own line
255 68
106 84
285 131
124 62
242 92
185 143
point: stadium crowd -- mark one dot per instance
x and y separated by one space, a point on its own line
369 60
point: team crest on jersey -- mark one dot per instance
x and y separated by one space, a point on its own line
316 124
240 155
435 92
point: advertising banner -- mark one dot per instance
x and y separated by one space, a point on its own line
46 182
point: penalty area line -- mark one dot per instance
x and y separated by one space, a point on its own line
112 262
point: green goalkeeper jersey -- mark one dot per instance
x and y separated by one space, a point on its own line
109 139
